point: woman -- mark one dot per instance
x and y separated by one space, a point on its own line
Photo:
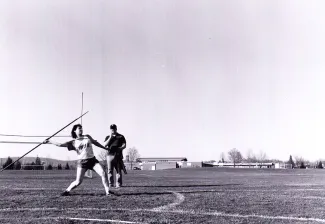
82 144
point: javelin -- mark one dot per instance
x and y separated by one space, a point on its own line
43 142
16 142
32 136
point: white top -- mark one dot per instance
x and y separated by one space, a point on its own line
83 147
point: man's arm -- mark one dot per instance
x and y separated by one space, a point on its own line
123 146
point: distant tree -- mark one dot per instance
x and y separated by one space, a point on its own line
7 163
250 157
38 161
291 161
261 158
276 161
49 167
300 162
67 167
302 165
133 155
210 161
18 165
59 167
235 156
222 157
319 165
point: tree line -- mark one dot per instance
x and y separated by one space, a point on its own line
235 157
37 165
131 156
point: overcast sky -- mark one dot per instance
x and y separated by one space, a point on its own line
179 78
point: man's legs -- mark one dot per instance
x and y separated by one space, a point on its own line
118 173
110 167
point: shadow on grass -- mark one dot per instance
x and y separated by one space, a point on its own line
114 193
118 194
165 192
182 186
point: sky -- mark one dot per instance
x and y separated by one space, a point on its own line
179 78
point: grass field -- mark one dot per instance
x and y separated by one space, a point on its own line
200 195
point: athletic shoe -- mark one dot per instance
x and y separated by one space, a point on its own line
65 193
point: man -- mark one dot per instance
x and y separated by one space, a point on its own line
115 145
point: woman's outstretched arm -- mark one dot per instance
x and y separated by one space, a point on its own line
96 143
66 144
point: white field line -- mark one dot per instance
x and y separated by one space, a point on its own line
201 191
271 190
313 197
146 175
179 199
97 220
186 212
320 185
28 188
221 214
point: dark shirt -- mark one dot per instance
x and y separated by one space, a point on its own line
115 142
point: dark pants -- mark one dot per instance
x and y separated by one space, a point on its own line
87 163
113 163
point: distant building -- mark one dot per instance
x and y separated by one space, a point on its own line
148 166
283 166
192 164
241 165
162 159
161 163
